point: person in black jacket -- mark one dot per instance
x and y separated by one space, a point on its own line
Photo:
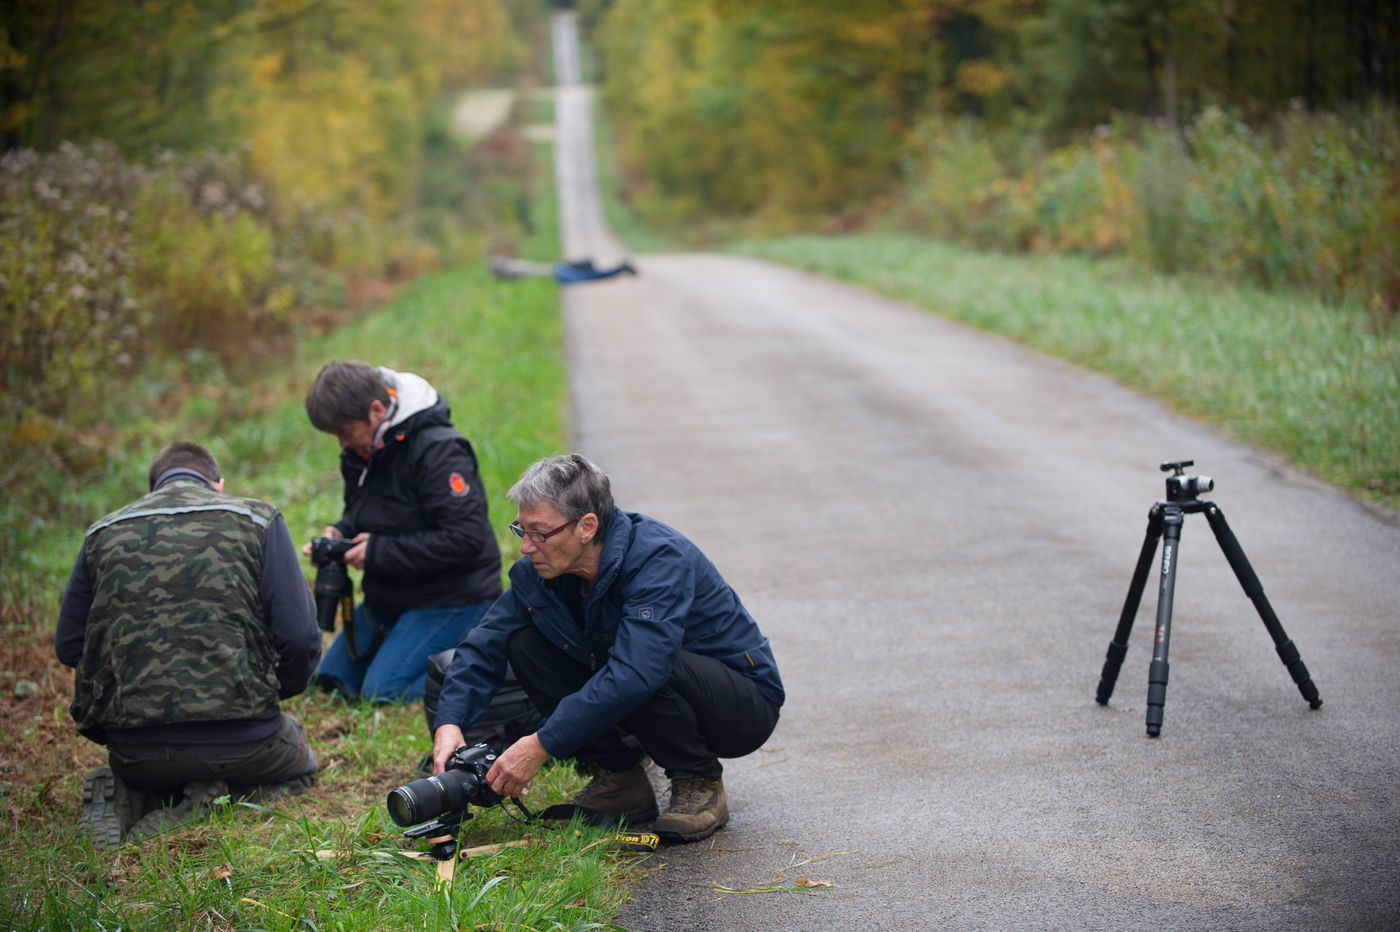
416 510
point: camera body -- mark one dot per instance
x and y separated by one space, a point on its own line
1184 488
329 550
445 796
333 585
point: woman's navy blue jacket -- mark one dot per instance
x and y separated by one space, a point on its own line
655 595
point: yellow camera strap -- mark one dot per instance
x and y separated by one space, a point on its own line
637 841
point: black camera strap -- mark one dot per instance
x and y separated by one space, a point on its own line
631 841
378 632
529 816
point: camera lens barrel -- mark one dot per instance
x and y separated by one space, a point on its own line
1186 488
432 796
331 582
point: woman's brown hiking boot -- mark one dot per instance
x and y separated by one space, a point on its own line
698 807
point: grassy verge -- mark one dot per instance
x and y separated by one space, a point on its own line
1318 384
330 858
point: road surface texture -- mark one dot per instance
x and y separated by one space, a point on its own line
936 529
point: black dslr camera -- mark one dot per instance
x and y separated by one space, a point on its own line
444 799
333 585
445 796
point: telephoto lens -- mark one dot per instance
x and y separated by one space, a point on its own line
430 797
332 583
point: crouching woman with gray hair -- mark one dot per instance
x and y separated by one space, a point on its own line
630 643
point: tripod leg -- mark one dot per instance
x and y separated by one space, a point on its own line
1118 647
1157 670
1287 652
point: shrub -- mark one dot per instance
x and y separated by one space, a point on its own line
1310 203
1161 174
1083 202
69 324
962 190
206 278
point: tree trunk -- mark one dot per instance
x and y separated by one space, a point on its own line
1149 54
1310 66
1169 100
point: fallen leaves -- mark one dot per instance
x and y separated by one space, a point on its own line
780 885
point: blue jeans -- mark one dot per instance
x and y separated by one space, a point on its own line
398 671
568 272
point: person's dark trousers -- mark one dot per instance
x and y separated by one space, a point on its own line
163 768
704 712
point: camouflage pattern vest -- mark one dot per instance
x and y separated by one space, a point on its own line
176 633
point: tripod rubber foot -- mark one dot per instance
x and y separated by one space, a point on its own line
1112 664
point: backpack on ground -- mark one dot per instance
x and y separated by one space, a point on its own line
510 716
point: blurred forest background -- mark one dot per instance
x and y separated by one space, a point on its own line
1256 139
188 186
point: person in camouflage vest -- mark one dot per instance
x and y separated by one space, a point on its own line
187 618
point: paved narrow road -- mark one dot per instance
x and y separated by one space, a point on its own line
936 529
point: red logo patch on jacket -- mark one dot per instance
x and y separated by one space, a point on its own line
458 484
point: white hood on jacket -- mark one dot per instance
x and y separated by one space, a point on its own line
411 394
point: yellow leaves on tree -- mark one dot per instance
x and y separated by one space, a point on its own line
318 138
335 90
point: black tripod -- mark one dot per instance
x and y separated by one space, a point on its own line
1165 520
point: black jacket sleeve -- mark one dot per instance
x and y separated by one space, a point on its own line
290 611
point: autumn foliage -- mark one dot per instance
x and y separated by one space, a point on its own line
1252 139
186 175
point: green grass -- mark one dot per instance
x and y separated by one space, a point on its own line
1318 384
543 245
327 860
